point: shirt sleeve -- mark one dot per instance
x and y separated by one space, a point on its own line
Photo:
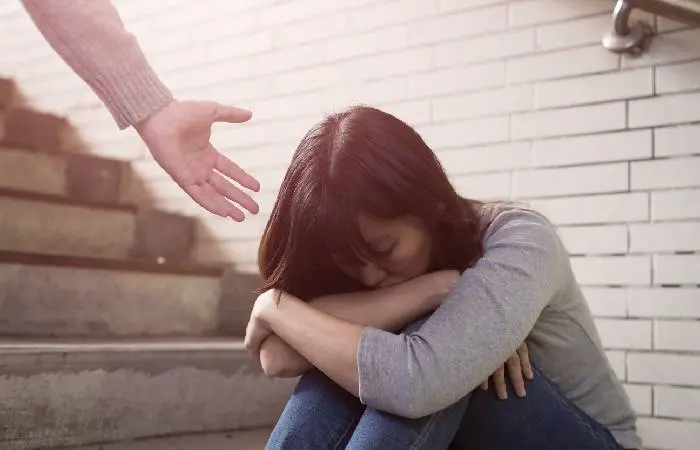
90 37
486 317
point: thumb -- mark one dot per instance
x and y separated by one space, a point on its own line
231 114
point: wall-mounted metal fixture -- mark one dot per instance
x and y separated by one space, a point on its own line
635 38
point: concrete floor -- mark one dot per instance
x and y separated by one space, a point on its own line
235 440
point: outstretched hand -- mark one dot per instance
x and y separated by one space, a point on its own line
178 137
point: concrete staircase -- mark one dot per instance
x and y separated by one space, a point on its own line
108 330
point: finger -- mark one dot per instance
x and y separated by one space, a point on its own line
230 114
485 385
231 192
515 374
499 383
524 355
214 202
232 170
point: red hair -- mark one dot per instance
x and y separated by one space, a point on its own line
362 160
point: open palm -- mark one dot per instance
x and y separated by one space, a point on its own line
178 137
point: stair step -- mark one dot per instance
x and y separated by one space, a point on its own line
254 439
32 222
56 295
8 93
73 175
72 393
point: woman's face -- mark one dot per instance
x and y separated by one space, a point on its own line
405 247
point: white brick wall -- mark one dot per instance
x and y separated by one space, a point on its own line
517 97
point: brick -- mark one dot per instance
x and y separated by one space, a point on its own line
595 88
612 270
677 78
289 58
390 64
466 132
677 204
458 5
447 81
568 121
667 173
483 186
309 30
572 33
677 402
571 180
664 110
677 269
617 362
619 146
606 239
486 159
485 103
606 302
663 368
383 40
664 237
664 24
640 397
669 303
367 91
288 106
192 54
290 11
377 15
451 26
487 47
559 64
580 32
677 335
680 140
24 128
625 334
413 112
595 209
668 434
668 48
530 12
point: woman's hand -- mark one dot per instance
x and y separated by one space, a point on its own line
518 365
258 328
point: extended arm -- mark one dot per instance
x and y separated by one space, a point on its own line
389 309
484 319
90 37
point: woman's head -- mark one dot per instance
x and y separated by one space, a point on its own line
365 203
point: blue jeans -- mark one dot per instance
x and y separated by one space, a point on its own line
321 415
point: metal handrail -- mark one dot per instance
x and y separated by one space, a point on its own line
634 38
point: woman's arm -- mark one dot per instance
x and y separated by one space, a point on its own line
484 319
90 37
389 309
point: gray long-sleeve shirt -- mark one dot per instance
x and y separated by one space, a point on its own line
522 289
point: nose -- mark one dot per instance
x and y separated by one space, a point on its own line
372 275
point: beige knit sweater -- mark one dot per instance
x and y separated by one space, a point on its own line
90 36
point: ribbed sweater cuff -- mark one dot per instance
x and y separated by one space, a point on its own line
130 89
